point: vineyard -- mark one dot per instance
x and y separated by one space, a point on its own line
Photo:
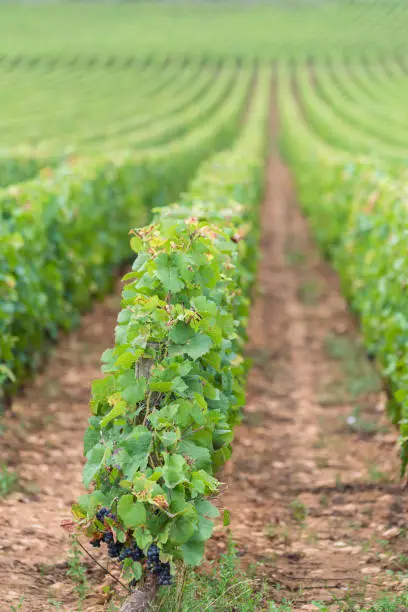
203 306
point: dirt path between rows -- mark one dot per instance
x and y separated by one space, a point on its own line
312 486
43 440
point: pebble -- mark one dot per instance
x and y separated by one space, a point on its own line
370 570
389 534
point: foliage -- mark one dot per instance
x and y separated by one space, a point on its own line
8 481
357 208
223 589
116 31
76 571
169 102
158 435
63 233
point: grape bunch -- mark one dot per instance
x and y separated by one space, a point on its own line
157 567
114 548
132 552
104 513
120 551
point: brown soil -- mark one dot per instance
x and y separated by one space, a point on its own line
314 502
43 442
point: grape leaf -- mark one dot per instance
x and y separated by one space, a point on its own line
134 391
118 409
181 332
137 445
91 438
193 552
195 347
199 454
131 512
183 527
93 463
168 273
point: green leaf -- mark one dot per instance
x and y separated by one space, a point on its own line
193 553
206 508
203 483
131 570
174 470
136 244
204 529
102 388
200 455
143 537
195 347
214 359
183 527
226 519
137 570
169 438
93 463
203 305
161 386
178 385
126 360
118 410
131 512
91 438
168 273
134 392
7 372
137 446
180 333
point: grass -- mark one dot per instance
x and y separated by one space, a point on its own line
56 605
361 376
309 292
396 603
8 481
19 606
376 475
225 588
357 423
298 511
282 607
386 603
295 257
76 572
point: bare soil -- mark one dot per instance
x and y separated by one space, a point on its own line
312 487
42 440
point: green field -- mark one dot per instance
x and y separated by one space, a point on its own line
268 30
153 119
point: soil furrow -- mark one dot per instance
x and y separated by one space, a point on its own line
42 441
312 486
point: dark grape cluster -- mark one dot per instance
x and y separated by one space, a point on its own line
114 549
104 513
153 556
160 569
120 551
132 552
163 575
